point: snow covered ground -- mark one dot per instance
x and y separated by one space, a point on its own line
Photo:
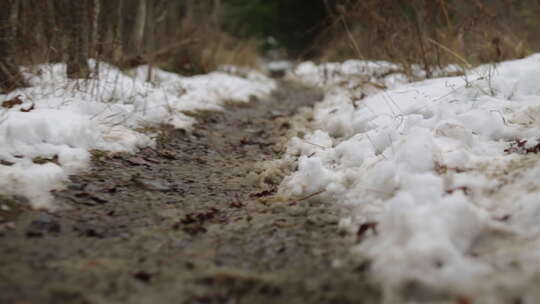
60 120
441 176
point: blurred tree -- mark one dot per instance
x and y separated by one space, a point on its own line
10 77
94 31
137 37
51 33
118 30
149 34
75 21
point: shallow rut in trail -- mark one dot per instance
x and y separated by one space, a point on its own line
186 222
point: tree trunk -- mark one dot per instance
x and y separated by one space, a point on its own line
10 76
53 36
150 43
94 40
14 21
77 26
138 28
174 13
118 48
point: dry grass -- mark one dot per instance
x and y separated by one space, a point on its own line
208 47
189 43
432 32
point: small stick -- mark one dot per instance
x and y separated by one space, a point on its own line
310 196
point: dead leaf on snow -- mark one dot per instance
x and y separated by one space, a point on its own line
8 104
32 107
6 163
365 227
40 160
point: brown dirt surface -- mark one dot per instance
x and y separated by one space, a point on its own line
189 221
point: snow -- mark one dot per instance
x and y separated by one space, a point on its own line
457 215
278 66
353 73
106 112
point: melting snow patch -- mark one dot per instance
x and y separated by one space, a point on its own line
61 119
445 167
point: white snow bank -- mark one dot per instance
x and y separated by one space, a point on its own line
333 73
354 73
458 218
278 66
71 117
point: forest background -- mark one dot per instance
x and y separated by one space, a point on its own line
196 36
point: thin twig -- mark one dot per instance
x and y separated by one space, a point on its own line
316 145
310 196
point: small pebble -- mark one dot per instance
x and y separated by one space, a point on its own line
43 223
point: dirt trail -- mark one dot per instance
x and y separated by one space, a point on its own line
184 223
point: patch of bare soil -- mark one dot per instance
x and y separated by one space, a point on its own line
185 222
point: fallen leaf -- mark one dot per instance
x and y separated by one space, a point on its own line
8 104
143 276
40 160
365 227
462 300
32 107
6 163
262 193
236 205
504 218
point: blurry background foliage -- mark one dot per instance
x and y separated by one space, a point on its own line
428 32
197 36
293 23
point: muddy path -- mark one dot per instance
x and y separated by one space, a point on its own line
191 221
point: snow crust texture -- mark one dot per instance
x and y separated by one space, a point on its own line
62 119
444 171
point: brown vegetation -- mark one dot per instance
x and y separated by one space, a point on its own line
432 32
9 74
179 35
